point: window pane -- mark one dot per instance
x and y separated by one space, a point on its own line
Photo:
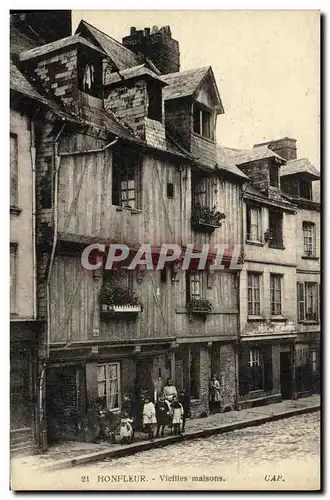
101 373
101 389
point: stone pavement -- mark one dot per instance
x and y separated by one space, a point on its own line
73 453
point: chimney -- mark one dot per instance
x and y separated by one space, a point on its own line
156 45
285 147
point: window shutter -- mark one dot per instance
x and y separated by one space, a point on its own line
319 302
248 222
187 286
268 368
301 301
244 374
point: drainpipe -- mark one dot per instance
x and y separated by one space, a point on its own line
33 166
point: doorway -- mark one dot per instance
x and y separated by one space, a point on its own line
286 374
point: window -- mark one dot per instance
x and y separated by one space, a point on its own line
90 74
253 294
199 192
155 101
276 294
253 224
275 229
13 278
273 176
314 361
13 170
194 374
194 285
202 121
309 238
170 190
256 380
122 278
305 189
108 384
126 182
308 301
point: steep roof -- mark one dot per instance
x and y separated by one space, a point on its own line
20 42
241 156
129 73
224 162
184 83
299 166
58 44
122 57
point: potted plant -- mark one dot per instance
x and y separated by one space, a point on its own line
116 298
207 219
199 307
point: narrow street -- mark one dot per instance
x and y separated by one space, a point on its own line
289 448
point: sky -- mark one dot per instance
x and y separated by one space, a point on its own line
266 64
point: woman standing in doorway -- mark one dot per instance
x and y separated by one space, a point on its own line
214 394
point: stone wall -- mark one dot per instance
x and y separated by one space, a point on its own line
258 171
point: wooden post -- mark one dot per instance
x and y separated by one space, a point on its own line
172 358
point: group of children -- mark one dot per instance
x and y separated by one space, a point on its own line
166 411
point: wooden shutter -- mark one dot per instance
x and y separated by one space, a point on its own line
268 368
248 222
301 301
244 375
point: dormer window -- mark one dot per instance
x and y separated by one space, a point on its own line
202 121
273 176
154 101
305 189
90 74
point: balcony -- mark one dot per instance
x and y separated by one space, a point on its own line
206 219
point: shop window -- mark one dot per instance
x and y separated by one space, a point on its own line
202 119
254 305
108 384
155 101
256 380
126 180
276 294
275 229
13 170
253 224
309 238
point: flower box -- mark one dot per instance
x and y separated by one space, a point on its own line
125 309
204 227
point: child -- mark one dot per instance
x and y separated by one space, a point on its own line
126 429
149 416
162 414
177 415
184 400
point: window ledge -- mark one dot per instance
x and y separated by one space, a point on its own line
278 318
310 257
15 210
200 136
310 322
256 318
256 243
128 209
276 247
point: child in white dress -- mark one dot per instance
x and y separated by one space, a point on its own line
149 416
126 429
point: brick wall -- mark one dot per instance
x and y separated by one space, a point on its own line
129 103
227 375
201 406
56 75
258 171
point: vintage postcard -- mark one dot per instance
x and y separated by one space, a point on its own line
165 250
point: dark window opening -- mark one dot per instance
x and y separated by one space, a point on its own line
202 122
273 176
194 374
255 369
305 189
170 190
46 186
275 229
155 101
13 170
125 180
198 192
90 74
